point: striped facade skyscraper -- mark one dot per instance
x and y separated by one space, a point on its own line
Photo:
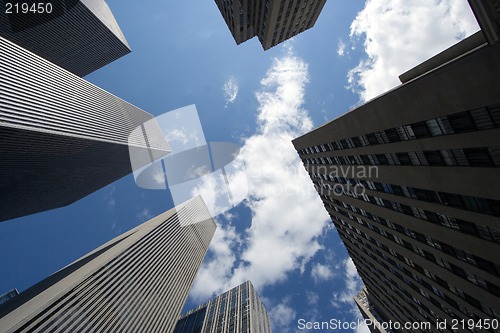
272 21
410 180
62 137
80 36
237 310
137 282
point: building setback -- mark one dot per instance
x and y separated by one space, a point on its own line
137 282
272 21
80 36
410 180
369 312
62 137
237 310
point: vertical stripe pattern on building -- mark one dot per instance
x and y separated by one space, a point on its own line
137 282
238 310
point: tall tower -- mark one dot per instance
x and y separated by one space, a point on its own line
410 180
62 137
236 310
272 21
80 36
137 282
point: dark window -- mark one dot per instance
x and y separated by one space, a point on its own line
404 158
451 199
457 270
382 159
493 288
434 157
392 135
495 207
441 282
420 129
432 217
426 195
356 142
482 119
478 157
495 114
406 210
486 265
462 122
372 139
472 300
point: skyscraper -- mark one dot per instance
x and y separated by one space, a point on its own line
410 180
80 36
62 137
369 312
137 282
236 310
272 21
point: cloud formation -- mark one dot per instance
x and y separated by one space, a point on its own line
321 272
230 88
341 48
287 214
399 34
282 316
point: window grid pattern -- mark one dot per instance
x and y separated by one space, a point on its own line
357 238
461 122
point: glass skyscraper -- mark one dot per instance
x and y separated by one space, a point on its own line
238 310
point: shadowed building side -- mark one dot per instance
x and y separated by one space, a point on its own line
80 36
410 180
62 137
272 21
137 282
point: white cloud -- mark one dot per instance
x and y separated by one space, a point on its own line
144 215
213 275
341 48
230 88
282 316
312 298
110 197
399 34
321 272
287 214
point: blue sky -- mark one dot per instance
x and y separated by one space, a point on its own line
279 237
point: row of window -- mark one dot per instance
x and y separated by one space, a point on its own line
480 231
469 299
399 293
413 301
475 204
472 157
461 122
303 13
466 256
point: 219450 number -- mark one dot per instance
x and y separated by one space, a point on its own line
25 8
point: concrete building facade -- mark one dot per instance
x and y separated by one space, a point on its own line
80 36
137 282
237 310
272 21
410 180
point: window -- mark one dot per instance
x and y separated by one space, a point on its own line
478 157
462 122
420 129
434 158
